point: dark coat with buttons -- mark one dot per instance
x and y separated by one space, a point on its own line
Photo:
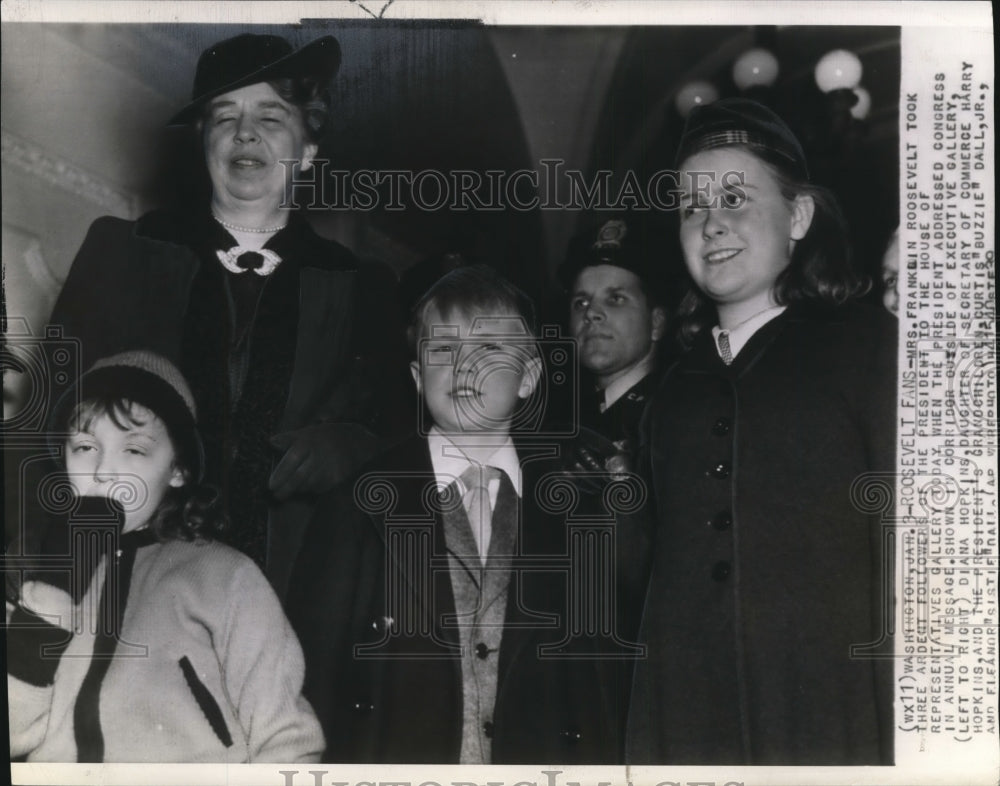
373 606
322 347
766 568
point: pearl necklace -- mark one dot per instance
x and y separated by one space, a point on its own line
254 230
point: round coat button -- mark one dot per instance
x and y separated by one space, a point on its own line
722 427
482 651
721 521
488 729
721 571
720 471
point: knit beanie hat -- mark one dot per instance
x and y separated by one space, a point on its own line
743 123
148 379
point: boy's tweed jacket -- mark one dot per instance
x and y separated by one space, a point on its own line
405 704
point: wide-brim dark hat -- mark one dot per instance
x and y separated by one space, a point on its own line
248 59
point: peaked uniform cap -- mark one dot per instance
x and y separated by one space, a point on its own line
627 243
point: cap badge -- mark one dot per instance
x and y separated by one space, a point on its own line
611 235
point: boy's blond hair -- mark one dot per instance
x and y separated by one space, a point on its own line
475 290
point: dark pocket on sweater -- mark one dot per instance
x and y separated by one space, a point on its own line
209 706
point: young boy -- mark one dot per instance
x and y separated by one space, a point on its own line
427 591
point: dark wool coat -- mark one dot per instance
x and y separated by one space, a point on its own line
323 347
764 572
404 703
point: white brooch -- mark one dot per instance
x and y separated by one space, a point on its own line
266 260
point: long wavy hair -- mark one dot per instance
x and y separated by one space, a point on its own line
191 512
820 271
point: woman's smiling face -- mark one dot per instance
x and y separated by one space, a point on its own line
737 228
248 133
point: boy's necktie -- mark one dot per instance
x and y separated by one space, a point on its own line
725 350
476 500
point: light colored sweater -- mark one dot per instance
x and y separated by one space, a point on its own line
196 613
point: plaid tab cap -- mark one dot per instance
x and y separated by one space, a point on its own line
740 122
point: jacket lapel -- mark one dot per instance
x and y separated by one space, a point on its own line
326 313
460 543
413 503
536 610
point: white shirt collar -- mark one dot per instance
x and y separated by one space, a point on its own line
624 383
449 461
743 332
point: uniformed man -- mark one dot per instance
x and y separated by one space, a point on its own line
617 316
618 319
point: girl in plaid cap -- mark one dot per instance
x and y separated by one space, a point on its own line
764 611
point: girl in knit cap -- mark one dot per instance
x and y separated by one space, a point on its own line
764 612
136 637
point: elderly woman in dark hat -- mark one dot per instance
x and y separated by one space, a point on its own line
764 601
283 335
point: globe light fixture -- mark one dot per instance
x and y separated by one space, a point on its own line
755 68
695 94
838 70
863 105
